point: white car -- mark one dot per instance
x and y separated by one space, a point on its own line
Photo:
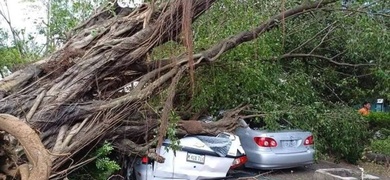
200 157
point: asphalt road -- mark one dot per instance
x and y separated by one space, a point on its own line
307 173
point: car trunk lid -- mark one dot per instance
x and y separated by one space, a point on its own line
289 141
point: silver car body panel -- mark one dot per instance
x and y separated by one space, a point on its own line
289 152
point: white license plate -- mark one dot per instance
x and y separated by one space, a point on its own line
196 158
289 144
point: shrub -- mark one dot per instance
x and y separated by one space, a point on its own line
379 120
381 146
345 138
339 131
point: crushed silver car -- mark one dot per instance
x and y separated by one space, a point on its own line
268 150
200 157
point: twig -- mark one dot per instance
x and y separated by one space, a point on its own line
339 54
322 39
252 116
116 177
359 11
309 40
333 92
345 74
299 55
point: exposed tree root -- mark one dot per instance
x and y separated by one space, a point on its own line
36 153
168 107
228 123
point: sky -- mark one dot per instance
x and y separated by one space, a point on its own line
22 14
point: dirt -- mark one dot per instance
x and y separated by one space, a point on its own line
307 173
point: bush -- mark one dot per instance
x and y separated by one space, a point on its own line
343 138
339 131
381 146
379 120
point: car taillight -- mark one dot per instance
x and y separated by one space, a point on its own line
145 160
265 142
239 162
309 140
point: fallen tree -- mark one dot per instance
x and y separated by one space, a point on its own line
74 97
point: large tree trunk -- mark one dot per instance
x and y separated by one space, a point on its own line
72 98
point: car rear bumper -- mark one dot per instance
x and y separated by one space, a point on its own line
269 160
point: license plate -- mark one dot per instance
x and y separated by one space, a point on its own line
289 144
196 158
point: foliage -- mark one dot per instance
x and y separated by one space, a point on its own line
339 130
355 38
101 169
347 40
381 146
341 133
105 166
171 131
10 58
287 100
379 120
16 45
62 16
308 93
380 127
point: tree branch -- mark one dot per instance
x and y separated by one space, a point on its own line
323 39
285 56
246 36
309 40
